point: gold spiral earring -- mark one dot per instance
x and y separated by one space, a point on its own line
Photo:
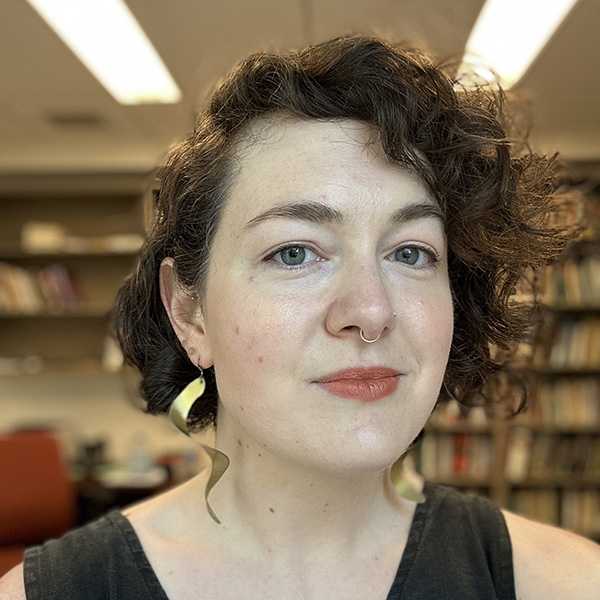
179 413
403 486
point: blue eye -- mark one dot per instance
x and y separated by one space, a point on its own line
293 256
414 256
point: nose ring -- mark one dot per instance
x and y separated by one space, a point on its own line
364 339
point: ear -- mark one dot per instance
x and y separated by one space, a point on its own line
185 315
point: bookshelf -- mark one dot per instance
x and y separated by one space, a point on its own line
545 472
65 247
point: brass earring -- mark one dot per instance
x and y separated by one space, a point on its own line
403 485
179 413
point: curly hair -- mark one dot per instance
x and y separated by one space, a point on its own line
497 204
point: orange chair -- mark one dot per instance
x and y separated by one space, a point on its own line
37 498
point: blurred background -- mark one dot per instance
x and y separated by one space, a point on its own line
56 117
74 162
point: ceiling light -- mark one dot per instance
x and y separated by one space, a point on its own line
109 41
509 34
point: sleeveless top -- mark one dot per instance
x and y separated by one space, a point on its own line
458 547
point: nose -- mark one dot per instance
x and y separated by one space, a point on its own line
361 306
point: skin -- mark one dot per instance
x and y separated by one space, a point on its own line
307 507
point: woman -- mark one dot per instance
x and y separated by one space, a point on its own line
336 241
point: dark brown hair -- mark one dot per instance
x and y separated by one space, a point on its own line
497 205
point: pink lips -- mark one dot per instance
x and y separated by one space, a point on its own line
365 384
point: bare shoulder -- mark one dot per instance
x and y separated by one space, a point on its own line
551 563
12 586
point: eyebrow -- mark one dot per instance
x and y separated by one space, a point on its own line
315 212
418 211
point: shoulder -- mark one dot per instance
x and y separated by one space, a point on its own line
84 563
92 540
12 586
72 552
479 511
551 563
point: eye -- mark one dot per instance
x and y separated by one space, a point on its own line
415 256
294 256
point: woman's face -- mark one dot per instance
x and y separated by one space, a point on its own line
321 237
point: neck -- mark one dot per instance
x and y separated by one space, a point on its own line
279 504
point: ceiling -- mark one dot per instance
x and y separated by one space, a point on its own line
56 118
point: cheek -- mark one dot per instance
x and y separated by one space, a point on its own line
241 363
246 335
442 327
251 353
433 327
241 347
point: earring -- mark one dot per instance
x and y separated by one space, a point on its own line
191 296
178 413
403 485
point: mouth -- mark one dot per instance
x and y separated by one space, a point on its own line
366 384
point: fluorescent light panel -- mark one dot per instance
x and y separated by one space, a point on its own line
109 41
509 34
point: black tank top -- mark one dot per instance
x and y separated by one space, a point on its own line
458 548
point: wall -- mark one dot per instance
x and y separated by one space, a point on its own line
85 408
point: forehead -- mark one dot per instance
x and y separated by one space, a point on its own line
294 144
284 159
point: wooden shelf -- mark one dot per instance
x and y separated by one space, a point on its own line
89 238
572 481
36 367
572 309
591 429
14 253
465 482
89 312
468 428
562 372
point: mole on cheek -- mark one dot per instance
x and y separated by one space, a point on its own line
237 330
261 359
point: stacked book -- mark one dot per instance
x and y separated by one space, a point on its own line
37 290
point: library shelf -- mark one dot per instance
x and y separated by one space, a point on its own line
66 246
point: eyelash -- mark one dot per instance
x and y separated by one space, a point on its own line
272 255
432 255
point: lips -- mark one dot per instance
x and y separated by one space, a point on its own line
365 384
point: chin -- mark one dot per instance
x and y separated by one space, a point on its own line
361 457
